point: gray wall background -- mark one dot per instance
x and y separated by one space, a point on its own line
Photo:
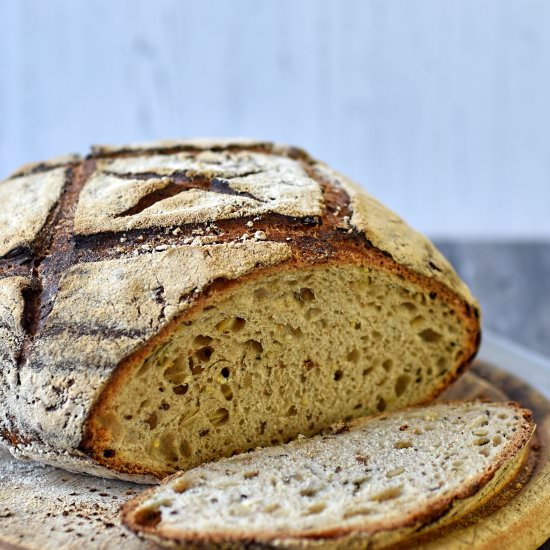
440 108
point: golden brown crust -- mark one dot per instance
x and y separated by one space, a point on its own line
58 256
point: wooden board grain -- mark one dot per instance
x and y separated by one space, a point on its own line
43 508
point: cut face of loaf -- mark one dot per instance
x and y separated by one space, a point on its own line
374 482
286 354
166 304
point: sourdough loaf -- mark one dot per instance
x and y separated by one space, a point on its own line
167 304
374 482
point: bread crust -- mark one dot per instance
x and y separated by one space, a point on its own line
508 464
51 388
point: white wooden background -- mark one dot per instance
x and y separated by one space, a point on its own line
441 108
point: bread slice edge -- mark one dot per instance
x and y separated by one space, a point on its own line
477 492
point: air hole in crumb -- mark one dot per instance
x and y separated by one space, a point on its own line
180 486
338 375
403 444
219 417
255 347
148 517
204 354
480 441
353 356
181 389
356 512
109 453
227 392
292 411
381 404
497 440
408 306
401 384
167 447
309 492
195 369
233 324
480 421
177 372
271 508
202 340
387 365
417 321
316 508
261 293
429 335
367 371
152 420
387 494
309 364
185 448
250 475
305 295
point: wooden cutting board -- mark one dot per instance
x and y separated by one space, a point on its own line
519 517
43 508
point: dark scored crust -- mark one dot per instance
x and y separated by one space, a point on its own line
417 523
57 251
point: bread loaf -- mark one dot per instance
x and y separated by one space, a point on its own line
168 304
375 482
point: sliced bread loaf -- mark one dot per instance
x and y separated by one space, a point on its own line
166 305
373 482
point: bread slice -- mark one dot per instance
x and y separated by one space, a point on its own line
373 482
174 303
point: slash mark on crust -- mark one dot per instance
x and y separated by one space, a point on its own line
180 184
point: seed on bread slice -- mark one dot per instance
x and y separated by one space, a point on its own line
373 481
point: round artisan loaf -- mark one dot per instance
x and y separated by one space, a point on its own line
168 304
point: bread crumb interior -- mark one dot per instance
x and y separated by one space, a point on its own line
273 358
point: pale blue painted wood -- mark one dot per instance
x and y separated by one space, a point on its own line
439 107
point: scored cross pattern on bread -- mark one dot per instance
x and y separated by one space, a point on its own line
168 304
